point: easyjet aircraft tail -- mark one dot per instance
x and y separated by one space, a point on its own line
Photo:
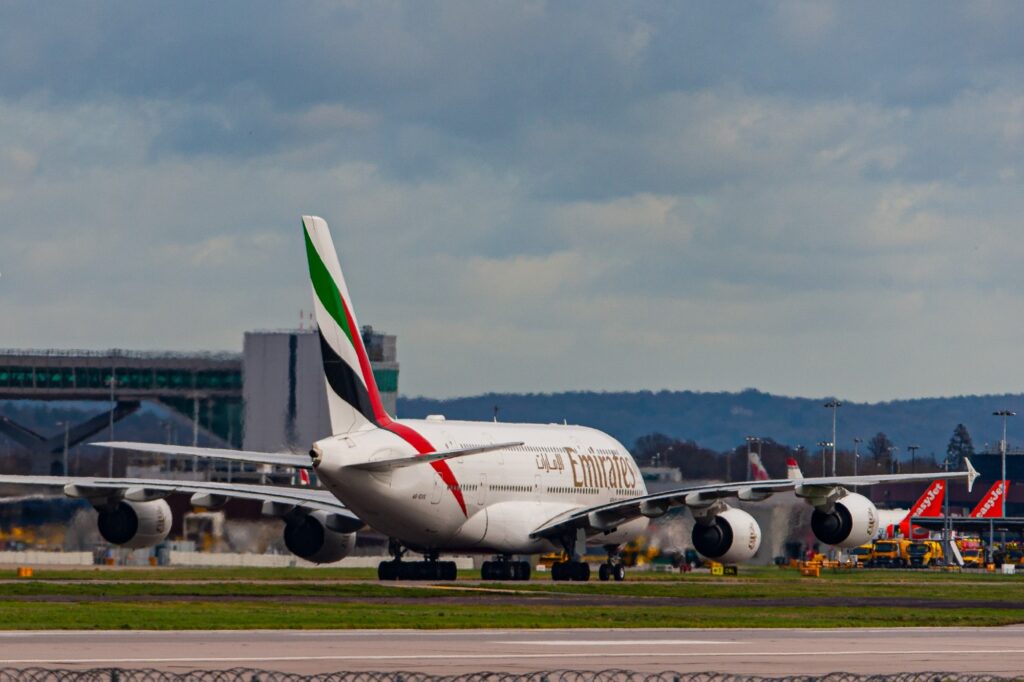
352 396
929 504
990 505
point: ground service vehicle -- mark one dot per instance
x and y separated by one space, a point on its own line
890 553
972 551
862 555
924 553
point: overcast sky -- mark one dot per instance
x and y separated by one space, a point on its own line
806 198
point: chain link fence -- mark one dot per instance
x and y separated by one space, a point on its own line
249 675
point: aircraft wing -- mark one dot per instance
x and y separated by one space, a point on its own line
290 459
277 500
606 517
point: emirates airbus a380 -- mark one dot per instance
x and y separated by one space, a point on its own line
435 486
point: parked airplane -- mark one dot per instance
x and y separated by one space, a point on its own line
986 515
757 470
436 486
897 522
990 506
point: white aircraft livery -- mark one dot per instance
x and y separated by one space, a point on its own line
436 486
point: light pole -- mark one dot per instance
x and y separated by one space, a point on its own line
946 521
750 441
834 405
1002 456
856 454
892 458
913 457
1002 453
823 444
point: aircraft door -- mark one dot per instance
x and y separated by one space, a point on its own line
481 493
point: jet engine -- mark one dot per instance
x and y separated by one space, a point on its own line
732 536
135 524
852 522
309 537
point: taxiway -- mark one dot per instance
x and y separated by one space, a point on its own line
997 650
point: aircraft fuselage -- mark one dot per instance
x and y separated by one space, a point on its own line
486 503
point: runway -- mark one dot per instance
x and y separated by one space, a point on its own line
997 650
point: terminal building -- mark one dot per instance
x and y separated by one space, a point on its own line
270 397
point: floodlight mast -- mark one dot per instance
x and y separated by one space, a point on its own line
833 405
1002 454
824 444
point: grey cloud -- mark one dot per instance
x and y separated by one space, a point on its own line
720 195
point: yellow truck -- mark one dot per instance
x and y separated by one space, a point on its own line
861 556
972 552
890 553
924 553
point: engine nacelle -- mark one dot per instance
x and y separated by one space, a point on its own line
853 522
732 537
136 524
309 537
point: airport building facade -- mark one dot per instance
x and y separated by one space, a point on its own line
269 397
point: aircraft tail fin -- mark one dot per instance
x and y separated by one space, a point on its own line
990 505
757 470
793 472
352 396
929 504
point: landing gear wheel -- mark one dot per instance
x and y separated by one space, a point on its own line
449 571
619 571
524 570
388 570
558 571
604 573
580 571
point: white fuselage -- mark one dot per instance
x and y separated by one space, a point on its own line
489 502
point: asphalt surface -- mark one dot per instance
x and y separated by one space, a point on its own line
764 652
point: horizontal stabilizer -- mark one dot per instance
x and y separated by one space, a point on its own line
398 463
288 459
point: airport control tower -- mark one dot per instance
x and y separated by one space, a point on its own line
283 392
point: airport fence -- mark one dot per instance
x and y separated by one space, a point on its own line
250 675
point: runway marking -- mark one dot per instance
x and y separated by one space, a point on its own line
500 657
606 642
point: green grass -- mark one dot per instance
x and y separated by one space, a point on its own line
260 615
233 574
334 598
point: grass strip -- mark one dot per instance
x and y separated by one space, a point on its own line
261 615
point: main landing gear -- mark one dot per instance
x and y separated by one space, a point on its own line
613 568
578 570
503 568
571 570
428 569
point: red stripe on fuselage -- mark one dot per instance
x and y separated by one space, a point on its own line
384 421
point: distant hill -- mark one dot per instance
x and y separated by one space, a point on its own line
720 421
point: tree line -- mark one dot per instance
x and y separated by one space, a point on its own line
879 455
